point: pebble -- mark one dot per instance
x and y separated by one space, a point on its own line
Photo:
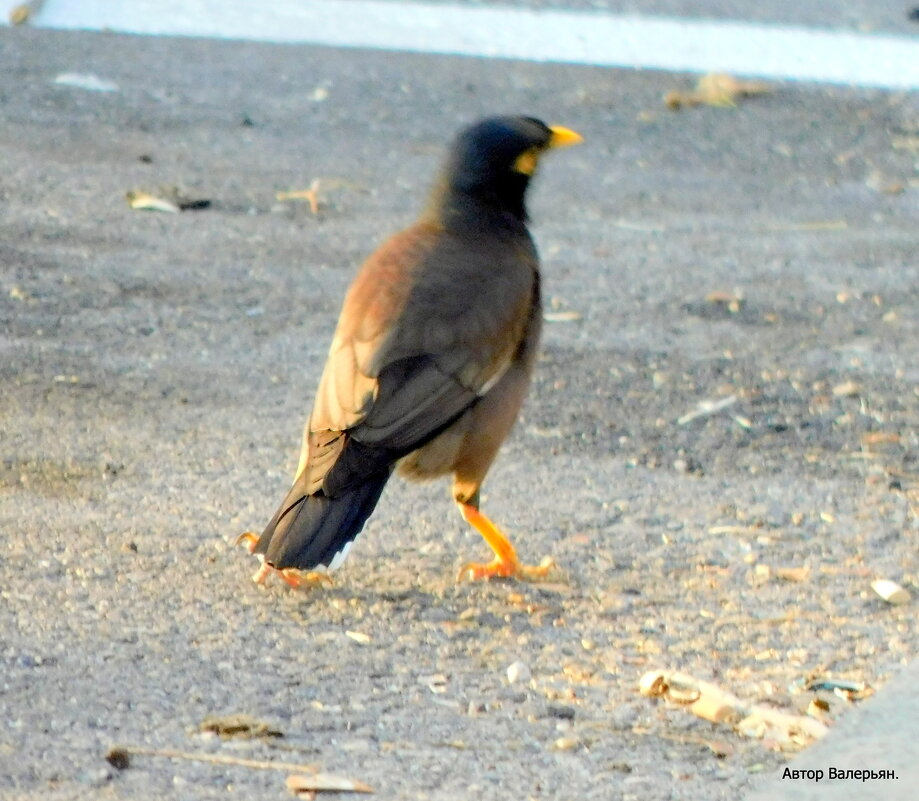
560 711
96 777
518 671
566 744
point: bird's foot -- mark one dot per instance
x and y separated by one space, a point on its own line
506 568
305 579
298 579
505 564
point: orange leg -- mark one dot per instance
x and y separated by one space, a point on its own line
505 564
298 579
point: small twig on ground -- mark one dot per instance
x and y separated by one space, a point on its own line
219 759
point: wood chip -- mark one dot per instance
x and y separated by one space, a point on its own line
653 683
819 709
358 636
793 573
891 592
714 707
169 199
243 727
325 783
706 408
144 201
847 389
880 438
561 316
566 744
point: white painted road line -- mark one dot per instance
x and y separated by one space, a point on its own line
767 51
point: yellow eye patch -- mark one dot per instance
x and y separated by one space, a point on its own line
526 162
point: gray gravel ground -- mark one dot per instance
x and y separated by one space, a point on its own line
156 370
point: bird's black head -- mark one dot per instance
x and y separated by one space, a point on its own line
491 161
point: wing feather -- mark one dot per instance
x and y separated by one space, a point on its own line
416 345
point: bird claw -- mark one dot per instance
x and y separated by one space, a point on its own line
298 579
305 579
248 539
502 568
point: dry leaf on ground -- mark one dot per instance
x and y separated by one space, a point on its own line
716 89
25 12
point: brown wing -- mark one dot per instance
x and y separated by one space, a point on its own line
428 325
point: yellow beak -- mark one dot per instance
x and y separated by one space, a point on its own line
564 137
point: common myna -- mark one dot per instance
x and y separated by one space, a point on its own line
430 361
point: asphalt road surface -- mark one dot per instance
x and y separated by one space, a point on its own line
156 369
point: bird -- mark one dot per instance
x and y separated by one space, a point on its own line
429 363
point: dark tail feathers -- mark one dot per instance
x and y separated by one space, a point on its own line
311 530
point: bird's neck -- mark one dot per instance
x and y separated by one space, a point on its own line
461 210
